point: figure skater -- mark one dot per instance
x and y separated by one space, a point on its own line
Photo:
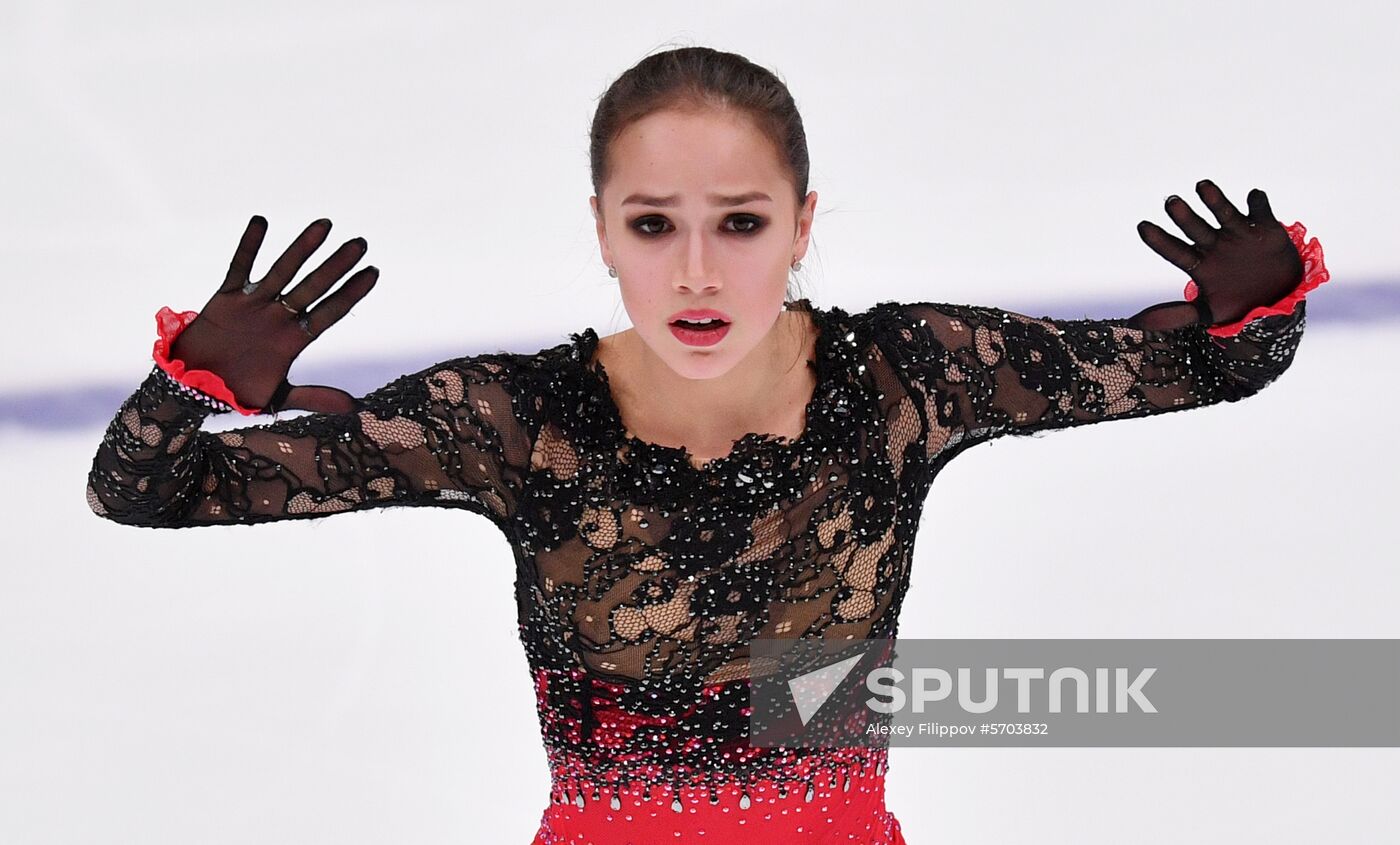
673 491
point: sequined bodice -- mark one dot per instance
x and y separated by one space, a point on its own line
663 569
641 577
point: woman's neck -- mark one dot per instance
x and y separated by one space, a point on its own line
767 392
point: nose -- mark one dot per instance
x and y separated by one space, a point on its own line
696 273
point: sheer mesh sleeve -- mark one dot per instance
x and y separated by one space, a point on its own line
978 372
453 435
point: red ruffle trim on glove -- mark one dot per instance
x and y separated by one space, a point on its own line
1314 274
169 324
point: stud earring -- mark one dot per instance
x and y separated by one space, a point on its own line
612 271
796 265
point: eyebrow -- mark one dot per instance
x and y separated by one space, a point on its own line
716 199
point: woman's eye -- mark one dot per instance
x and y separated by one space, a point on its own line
751 223
748 224
648 221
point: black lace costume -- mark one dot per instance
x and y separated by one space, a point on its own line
639 575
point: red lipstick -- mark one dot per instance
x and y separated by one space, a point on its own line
699 326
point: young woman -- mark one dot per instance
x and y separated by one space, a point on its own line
677 489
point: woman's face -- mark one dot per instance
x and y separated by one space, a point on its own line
699 213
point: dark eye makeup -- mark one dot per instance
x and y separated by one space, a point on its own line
750 224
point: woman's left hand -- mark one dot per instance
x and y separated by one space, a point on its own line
1248 261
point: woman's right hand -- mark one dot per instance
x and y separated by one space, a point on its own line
249 333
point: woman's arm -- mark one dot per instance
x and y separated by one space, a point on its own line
977 372
457 434
454 435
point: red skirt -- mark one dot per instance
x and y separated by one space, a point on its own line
763 813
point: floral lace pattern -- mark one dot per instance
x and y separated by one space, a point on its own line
451 435
641 577
971 373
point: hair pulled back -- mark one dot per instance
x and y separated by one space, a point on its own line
698 78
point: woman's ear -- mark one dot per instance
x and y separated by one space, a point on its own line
601 230
805 215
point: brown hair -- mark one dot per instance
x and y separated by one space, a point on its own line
696 78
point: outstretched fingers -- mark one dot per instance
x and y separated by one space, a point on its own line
339 303
1222 208
287 265
1195 226
1259 210
241 266
319 281
1170 247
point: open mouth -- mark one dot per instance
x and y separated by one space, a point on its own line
709 324
704 332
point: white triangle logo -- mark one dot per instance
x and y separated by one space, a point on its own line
810 691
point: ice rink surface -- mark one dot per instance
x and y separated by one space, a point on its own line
357 679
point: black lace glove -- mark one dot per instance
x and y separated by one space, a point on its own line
1249 261
250 332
